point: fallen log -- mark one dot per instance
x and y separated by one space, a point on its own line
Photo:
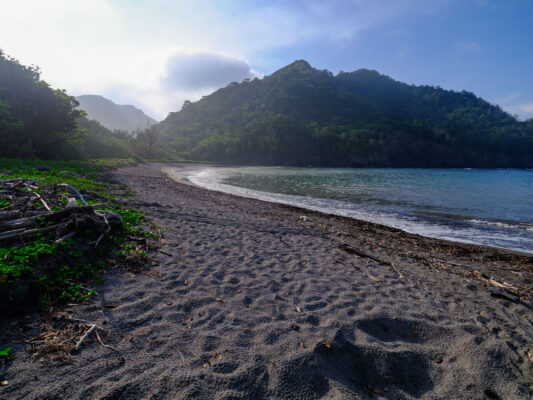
19 233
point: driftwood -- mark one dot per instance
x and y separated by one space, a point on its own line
74 190
514 291
30 211
362 254
26 232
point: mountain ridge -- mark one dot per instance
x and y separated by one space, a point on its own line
124 117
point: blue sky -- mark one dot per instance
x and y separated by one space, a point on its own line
157 53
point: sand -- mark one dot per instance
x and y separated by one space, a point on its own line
255 300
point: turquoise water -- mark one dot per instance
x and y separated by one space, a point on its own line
492 207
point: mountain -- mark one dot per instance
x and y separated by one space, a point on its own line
114 116
303 116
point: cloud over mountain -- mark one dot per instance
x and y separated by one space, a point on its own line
200 70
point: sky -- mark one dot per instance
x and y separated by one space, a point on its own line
155 54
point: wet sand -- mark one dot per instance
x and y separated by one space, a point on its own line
256 300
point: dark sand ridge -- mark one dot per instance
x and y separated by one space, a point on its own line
258 300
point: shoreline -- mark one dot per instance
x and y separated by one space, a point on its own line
187 168
250 299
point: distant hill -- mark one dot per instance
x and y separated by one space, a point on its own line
303 116
114 116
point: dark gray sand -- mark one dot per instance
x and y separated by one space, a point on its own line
265 301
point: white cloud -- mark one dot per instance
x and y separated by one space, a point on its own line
199 70
523 111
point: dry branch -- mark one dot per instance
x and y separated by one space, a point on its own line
92 328
40 199
106 346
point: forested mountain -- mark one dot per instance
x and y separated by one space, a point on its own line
114 116
303 116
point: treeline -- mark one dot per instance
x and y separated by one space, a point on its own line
37 121
302 116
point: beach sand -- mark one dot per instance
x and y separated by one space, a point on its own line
254 300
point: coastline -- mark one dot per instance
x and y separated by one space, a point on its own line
251 299
180 173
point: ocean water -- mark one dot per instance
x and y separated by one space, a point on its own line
491 207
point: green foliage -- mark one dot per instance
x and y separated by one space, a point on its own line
302 116
15 261
35 120
101 142
66 282
6 353
131 219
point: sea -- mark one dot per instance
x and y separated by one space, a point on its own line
481 206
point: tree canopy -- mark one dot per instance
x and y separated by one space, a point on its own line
35 120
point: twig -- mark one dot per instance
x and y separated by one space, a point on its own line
162 252
92 328
41 199
373 278
103 344
400 275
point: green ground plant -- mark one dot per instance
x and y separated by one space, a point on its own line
76 262
6 353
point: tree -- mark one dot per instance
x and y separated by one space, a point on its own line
149 137
35 120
